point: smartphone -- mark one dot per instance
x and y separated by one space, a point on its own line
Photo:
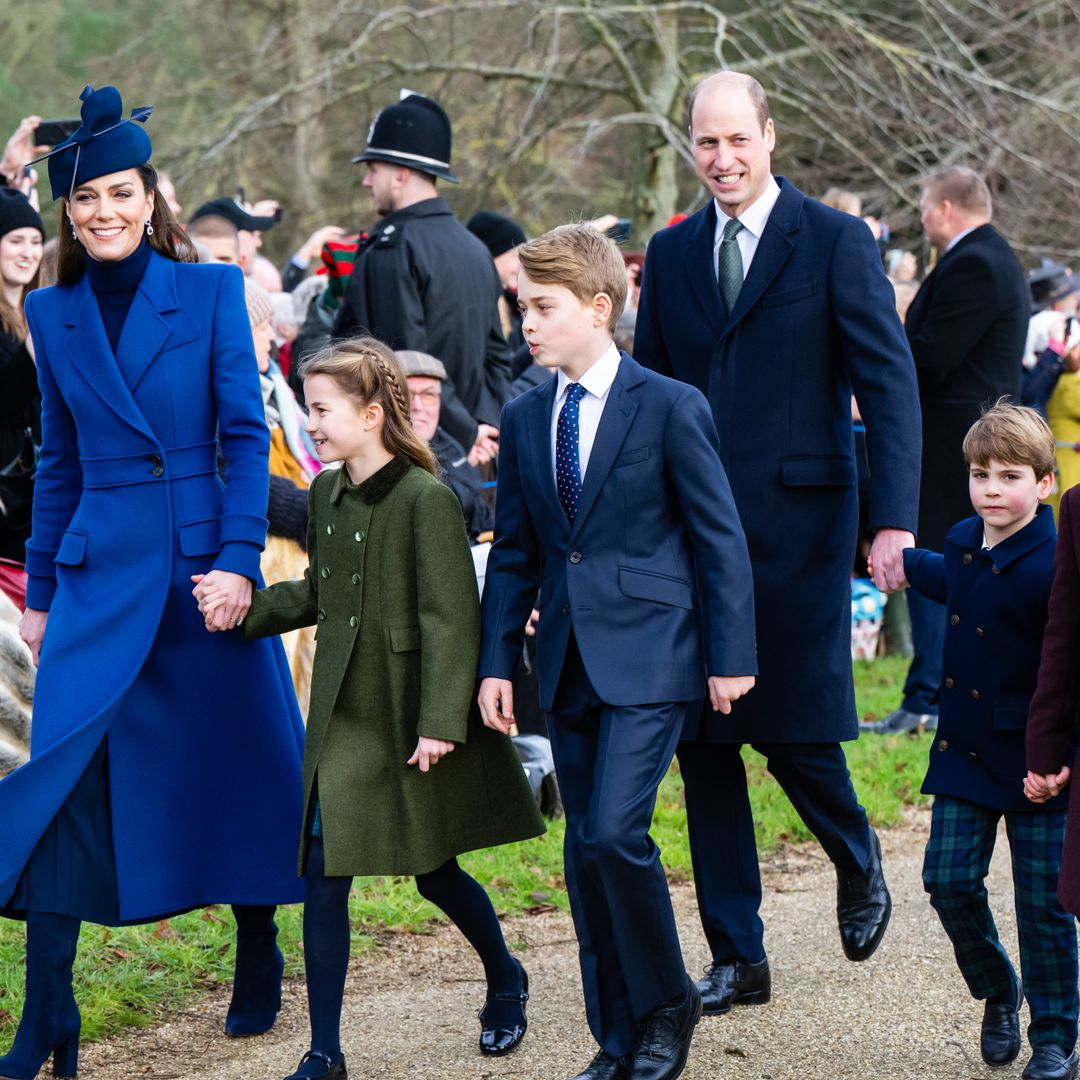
621 230
52 132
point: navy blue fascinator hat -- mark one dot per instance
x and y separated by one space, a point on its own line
105 142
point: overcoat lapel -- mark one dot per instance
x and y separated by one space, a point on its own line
773 250
700 268
538 434
146 328
615 422
88 350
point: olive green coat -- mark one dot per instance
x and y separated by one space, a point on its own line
391 587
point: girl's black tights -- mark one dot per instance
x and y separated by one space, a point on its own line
326 939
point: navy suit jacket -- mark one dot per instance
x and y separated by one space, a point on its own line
997 603
815 320
653 576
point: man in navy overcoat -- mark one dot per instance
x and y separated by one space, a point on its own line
777 308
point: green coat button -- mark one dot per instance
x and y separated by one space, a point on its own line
356 579
358 537
325 571
322 615
330 529
354 621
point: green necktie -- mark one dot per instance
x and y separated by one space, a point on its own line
729 265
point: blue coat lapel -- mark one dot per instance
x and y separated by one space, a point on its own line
615 422
89 351
700 267
538 433
146 329
773 250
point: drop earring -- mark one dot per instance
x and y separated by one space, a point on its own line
74 234
149 227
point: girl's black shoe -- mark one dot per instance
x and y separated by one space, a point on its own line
502 1019
334 1071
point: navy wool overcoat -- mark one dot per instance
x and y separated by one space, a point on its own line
204 737
814 321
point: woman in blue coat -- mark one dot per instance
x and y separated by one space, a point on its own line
165 762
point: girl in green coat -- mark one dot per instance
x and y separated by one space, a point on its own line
391 588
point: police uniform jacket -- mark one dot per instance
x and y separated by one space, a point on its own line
996 603
422 281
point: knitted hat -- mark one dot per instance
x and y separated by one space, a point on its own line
420 363
259 306
17 213
415 132
104 143
498 233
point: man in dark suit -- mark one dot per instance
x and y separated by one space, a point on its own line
777 308
615 519
967 327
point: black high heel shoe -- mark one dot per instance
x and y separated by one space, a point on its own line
334 1071
498 1040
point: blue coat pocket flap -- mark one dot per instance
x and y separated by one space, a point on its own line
72 549
200 537
405 638
631 457
817 471
1010 717
643 585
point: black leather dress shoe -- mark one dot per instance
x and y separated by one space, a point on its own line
500 1038
335 1070
1000 1039
731 984
665 1039
863 907
1052 1063
605 1067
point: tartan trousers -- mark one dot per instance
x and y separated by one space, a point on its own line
957 860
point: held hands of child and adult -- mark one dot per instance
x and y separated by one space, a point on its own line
224 598
886 559
1039 787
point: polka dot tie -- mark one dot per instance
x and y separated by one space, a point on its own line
567 461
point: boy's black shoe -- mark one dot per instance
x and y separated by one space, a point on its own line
863 907
1000 1040
665 1040
605 1067
731 984
1052 1063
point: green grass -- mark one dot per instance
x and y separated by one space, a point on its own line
129 976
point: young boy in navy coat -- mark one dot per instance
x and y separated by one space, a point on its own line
994 579
615 520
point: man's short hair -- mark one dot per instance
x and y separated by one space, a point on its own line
752 86
212 227
961 186
581 259
1012 435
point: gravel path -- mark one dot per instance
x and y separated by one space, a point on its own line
410 1004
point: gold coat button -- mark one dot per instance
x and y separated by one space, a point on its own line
949 683
954 619
354 621
975 695
943 744
967 558
980 632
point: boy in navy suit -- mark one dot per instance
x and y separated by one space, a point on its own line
995 578
615 519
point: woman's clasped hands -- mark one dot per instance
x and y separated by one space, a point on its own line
224 598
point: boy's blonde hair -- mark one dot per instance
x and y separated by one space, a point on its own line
367 370
1013 435
581 259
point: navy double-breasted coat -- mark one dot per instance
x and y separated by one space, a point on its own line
204 737
996 601
815 320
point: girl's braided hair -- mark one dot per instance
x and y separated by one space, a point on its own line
367 370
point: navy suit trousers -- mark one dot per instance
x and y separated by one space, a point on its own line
610 761
815 777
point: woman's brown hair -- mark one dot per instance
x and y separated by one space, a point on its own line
168 238
367 370
12 320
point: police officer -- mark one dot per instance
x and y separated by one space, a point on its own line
421 280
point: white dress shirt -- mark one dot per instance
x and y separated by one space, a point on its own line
597 382
957 238
753 220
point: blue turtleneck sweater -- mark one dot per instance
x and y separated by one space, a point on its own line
115 285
